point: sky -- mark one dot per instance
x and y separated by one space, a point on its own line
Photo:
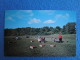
38 18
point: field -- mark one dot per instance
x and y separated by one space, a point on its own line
13 47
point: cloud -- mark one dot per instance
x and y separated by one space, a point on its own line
9 18
29 11
49 12
23 14
49 21
31 14
58 16
34 20
25 11
67 14
61 16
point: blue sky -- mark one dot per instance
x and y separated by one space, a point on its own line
38 18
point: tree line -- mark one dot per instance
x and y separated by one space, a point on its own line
69 28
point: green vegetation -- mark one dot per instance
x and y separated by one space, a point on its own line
67 29
20 47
